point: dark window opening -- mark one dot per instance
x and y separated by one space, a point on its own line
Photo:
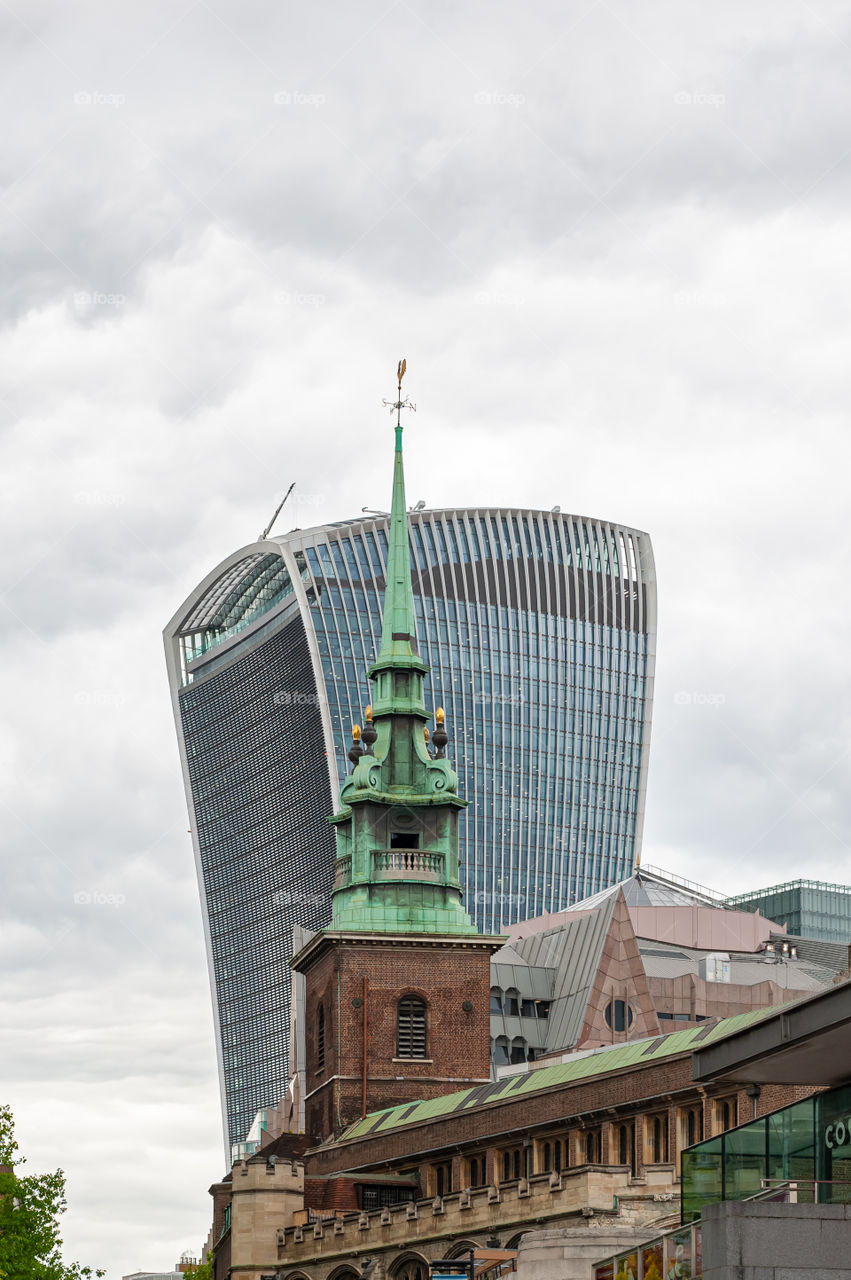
618 1015
404 840
320 1040
660 1140
512 1002
518 1049
443 1179
626 1147
381 1197
594 1146
500 1051
694 1126
496 1000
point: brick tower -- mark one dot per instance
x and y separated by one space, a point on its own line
397 987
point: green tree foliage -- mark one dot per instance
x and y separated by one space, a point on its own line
30 1206
203 1271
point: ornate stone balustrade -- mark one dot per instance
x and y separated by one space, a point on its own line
401 864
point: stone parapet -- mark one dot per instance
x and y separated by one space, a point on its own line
429 1227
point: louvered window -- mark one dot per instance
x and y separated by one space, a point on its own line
411 1028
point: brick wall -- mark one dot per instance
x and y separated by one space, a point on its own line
445 974
659 1088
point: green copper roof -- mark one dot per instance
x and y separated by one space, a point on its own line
398 629
600 1062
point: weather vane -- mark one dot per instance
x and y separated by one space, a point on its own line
399 404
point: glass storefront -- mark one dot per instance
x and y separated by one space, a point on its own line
807 1144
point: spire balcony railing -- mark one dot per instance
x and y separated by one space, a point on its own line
406 864
342 871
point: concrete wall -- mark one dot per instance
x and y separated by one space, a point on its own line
759 1241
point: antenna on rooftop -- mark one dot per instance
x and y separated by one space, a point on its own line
278 510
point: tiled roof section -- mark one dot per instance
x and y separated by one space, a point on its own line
577 1067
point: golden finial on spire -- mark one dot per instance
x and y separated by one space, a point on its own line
440 715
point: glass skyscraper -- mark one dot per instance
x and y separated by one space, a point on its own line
539 629
808 908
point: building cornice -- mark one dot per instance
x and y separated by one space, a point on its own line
329 939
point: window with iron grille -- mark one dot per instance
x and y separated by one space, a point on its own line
411 1028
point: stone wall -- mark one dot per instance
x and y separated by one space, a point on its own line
436 1228
764 1241
569 1253
264 1194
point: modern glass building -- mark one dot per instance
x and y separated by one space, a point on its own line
539 630
808 908
808 1143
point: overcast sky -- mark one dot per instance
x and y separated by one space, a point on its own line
612 241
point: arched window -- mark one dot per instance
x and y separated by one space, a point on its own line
557 1156
660 1139
320 1039
547 1158
506 1166
496 999
411 1028
516 1163
512 1002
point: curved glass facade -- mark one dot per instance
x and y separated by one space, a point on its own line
539 630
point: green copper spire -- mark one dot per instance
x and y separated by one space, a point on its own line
398 631
398 639
397 830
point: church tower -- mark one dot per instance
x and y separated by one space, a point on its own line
397 988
